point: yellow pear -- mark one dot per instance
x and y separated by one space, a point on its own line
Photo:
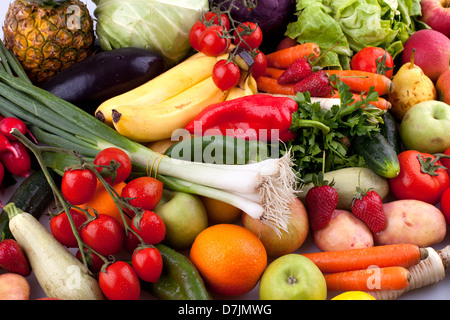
411 86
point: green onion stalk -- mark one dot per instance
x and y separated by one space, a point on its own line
263 190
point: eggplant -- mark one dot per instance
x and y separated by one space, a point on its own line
104 75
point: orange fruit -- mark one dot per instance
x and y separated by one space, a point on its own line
229 257
220 212
103 203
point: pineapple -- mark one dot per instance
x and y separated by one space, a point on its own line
48 36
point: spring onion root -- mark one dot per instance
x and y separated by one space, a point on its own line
427 272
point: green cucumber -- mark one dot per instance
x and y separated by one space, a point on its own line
33 195
180 280
389 129
378 154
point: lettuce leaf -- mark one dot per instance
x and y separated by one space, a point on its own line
343 27
159 25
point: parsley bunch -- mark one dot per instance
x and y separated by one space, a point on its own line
324 137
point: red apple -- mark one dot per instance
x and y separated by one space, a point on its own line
436 14
443 87
288 241
432 52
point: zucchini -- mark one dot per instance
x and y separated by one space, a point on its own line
346 181
105 75
378 154
33 195
179 280
389 129
60 274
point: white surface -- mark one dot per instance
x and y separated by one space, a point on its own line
441 291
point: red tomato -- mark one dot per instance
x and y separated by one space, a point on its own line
445 205
143 192
104 234
148 264
119 160
94 262
212 41
224 21
420 177
78 185
195 33
130 242
149 226
260 65
225 74
248 35
61 229
370 59
446 161
119 281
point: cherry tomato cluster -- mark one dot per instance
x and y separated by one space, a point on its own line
14 156
213 36
103 236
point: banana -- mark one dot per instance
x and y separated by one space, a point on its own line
246 86
165 86
152 122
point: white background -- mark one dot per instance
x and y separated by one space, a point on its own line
440 291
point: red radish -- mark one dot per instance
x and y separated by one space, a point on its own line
9 123
5 146
19 165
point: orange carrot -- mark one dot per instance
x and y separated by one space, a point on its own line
283 58
372 279
360 81
270 85
404 255
274 73
381 103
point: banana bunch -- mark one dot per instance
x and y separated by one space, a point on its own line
154 110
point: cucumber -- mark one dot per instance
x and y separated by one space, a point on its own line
379 155
346 181
389 129
33 195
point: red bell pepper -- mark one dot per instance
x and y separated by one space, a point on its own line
262 117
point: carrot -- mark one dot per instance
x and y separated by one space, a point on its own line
404 255
274 73
372 279
270 85
283 58
361 81
381 103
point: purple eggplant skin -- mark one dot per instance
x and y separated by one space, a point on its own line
104 75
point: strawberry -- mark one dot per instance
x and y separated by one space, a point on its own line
368 207
12 258
298 70
318 84
321 201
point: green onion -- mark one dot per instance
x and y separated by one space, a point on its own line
263 190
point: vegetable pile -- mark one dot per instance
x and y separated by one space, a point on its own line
210 125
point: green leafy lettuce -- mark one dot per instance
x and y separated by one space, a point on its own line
343 27
159 25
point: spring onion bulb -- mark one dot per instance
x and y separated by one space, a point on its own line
263 190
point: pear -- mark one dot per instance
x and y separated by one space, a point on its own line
411 86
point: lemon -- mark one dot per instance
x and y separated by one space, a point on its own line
354 295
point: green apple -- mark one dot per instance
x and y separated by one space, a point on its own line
292 277
426 127
287 241
184 216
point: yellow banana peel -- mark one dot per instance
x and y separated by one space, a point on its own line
246 86
152 122
165 86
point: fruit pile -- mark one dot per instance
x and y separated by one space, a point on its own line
213 177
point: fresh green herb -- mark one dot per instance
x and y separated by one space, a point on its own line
323 141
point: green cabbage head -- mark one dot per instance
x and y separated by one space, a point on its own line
159 25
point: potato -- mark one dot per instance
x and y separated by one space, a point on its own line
13 286
412 221
345 231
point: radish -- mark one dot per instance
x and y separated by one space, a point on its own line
19 165
9 123
5 145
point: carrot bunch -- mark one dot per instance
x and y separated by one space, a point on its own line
368 269
359 82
